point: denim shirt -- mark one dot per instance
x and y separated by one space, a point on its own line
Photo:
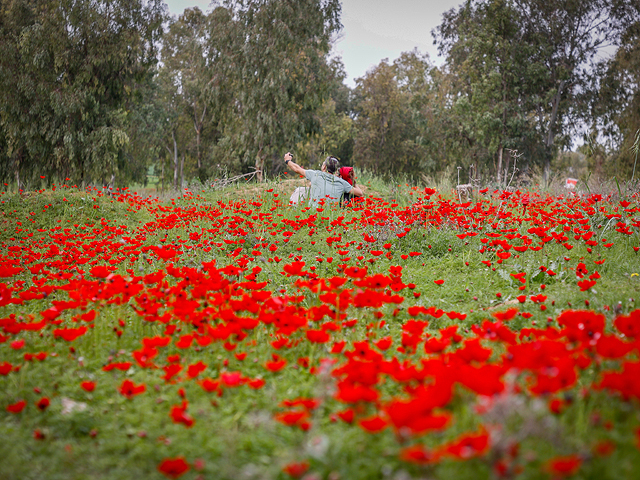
326 186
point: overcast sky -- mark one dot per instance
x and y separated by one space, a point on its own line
373 29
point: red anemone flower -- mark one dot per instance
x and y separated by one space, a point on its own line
43 403
296 469
130 389
16 407
173 467
564 466
88 386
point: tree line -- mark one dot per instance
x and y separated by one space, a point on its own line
118 92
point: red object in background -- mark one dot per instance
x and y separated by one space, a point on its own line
16 407
346 173
173 467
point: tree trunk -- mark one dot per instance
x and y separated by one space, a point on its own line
499 176
182 173
163 175
17 169
260 160
507 165
176 165
82 179
550 133
198 158
197 125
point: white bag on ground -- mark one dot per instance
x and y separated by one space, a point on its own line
299 195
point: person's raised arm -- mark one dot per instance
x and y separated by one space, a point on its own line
288 160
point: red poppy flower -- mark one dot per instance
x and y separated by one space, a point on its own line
256 383
296 469
373 424
419 455
171 371
292 418
628 325
564 465
506 315
586 285
384 343
43 403
70 334
210 385
5 368
16 407
338 346
179 415
130 389
173 467
276 364
469 445
295 269
123 366
195 369
231 379
100 271
347 415
88 386
317 336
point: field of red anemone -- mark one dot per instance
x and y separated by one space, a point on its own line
208 337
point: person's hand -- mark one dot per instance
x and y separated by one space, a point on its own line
288 157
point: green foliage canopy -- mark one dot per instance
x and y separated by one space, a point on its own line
68 71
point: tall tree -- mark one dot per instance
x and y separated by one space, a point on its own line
616 112
191 52
486 60
390 138
336 133
277 64
528 59
68 69
567 36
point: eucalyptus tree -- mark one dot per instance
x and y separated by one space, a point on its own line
381 111
276 65
487 63
418 80
189 52
389 139
337 127
148 120
68 70
616 110
567 37
525 64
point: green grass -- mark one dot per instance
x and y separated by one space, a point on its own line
236 435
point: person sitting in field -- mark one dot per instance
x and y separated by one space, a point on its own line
325 185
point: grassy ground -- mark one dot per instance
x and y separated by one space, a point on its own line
235 279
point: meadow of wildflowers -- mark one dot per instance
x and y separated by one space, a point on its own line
216 336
